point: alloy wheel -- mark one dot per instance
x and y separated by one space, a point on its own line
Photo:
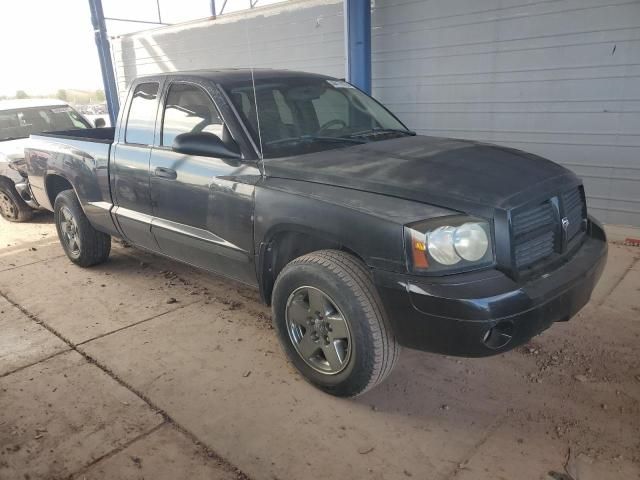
69 230
318 330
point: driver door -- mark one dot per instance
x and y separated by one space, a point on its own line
202 215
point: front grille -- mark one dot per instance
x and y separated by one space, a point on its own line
542 230
534 234
574 211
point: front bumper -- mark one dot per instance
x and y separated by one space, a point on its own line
485 313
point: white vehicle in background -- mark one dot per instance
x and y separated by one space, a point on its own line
18 120
97 118
95 112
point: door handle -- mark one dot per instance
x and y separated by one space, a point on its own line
163 172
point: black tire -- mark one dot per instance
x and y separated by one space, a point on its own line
12 207
93 247
347 284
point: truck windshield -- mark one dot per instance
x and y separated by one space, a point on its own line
20 123
298 115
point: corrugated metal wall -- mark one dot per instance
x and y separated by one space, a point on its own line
560 78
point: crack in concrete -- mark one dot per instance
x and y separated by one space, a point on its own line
240 475
116 450
23 367
102 335
26 246
619 281
462 464
32 263
48 357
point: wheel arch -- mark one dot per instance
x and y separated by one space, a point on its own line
5 179
286 242
54 184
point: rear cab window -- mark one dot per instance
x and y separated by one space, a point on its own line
142 114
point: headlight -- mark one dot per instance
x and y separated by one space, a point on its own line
470 241
441 245
451 243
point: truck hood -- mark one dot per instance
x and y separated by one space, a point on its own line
456 174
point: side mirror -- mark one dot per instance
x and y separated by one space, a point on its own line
205 144
99 122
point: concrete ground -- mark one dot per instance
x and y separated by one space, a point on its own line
145 368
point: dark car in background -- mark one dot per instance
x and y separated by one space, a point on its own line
362 235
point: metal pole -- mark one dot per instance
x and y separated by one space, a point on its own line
213 8
357 14
102 42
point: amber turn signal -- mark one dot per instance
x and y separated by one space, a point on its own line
419 250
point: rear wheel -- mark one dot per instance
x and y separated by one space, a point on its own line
331 323
12 207
83 244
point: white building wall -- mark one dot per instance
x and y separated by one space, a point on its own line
298 35
560 78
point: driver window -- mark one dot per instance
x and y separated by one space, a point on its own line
189 109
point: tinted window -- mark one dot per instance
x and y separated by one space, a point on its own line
332 108
189 109
305 114
142 114
284 110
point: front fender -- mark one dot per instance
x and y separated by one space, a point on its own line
376 241
368 224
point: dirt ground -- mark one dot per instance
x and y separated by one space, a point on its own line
145 368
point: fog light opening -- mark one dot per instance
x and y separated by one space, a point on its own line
499 335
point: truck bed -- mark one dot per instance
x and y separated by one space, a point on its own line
97 135
80 158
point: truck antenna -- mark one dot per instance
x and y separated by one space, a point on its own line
255 95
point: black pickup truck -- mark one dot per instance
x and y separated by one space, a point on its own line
362 235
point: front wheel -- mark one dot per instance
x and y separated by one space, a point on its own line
12 207
83 244
331 323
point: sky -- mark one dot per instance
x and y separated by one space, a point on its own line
46 45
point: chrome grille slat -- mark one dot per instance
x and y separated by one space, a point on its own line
533 234
535 230
529 221
574 210
535 249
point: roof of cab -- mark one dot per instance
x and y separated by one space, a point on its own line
30 103
233 75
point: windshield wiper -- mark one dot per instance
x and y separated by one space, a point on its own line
377 130
315 138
